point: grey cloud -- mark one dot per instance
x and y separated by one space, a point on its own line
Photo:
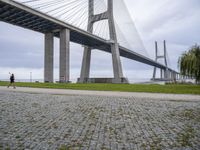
175 21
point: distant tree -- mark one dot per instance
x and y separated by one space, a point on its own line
189 63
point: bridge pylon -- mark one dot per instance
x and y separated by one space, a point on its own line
164 74
117 66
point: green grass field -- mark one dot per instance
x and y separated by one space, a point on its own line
153 88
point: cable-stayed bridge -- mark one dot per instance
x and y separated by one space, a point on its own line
87 22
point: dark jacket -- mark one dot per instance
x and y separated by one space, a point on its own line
12 78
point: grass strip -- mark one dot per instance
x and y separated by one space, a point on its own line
152 88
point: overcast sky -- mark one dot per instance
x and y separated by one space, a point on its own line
177 22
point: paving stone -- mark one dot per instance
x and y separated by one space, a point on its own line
47 121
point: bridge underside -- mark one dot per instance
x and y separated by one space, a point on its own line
20 15
12 13
17 14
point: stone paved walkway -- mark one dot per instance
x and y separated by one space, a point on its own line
53 121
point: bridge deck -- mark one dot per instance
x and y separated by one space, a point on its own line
17 14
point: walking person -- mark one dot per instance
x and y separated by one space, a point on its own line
12 81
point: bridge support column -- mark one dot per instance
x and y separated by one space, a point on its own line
161 74
64 56
174 76
117 67
181 77
154 73
48 58
166 74
170 75
85 69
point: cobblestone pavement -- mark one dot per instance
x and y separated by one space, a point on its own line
47 121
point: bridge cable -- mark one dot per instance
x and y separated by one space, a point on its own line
74 12
62 11
50 3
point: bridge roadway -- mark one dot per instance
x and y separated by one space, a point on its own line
18 14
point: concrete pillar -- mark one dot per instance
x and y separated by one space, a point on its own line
112 29
173 77
48 58
154 73
156 51
166 76
161 73
85 69
117 67
170 75
165 53
64 56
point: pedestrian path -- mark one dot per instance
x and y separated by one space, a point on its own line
105 93
47 119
